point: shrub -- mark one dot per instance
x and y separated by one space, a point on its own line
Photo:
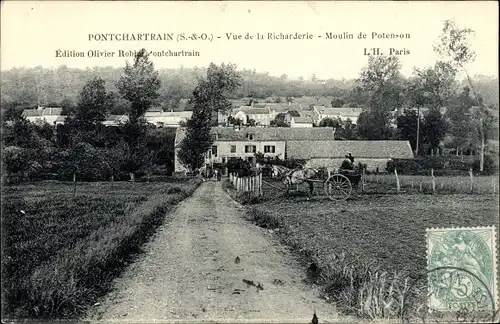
490 166
248 198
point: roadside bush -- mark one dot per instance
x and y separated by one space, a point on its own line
240 167
248 198
443 165
490 166
89 163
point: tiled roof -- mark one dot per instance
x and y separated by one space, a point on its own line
358 149
42 112
344 112
31 113
185 114
309 113
302 120
266 134
116 118
249 110
283 107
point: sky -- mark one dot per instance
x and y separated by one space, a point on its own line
32 32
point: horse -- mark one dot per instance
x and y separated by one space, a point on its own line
295 177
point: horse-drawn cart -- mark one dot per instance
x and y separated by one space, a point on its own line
338 185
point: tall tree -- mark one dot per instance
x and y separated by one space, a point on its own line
407 124
92 107
211 94
139 84
382 80
454 43
460 126
437 84
434 128
374 125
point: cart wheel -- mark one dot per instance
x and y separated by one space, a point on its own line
338 186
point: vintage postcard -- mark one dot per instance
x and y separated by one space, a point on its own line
250 161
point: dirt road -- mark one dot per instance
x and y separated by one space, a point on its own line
189 272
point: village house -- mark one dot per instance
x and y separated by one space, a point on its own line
115 120
244 142
343 113
262 114
52 116
167 118
375 154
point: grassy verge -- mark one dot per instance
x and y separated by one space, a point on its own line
370 252
60 253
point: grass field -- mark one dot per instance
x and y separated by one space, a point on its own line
60 252
371 249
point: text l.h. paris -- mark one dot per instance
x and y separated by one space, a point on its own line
374 51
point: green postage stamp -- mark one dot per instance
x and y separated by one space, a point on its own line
462 269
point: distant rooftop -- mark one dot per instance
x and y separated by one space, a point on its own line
266 134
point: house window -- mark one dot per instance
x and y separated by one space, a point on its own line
250 148
215 137
214 150
269 149
250 159
250 136
223 160
233 148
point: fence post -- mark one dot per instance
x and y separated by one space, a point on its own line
411 184
363 181
420 186
260 184
397 180
433 181
74 184
493 184
238 183
471 180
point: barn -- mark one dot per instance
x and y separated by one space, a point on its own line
375 154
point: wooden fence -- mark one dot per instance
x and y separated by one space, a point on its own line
446 184
247 184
